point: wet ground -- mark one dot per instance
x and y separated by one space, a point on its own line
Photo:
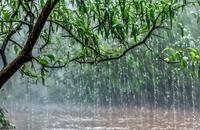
77 117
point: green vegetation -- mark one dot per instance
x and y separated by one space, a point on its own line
93 31
129 43
4 123
141 77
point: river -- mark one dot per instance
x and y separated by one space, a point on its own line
79 117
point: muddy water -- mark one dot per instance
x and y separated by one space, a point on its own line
68 117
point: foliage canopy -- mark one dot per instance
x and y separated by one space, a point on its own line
93 31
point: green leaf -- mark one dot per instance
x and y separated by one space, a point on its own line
6 14
167 59
43 61
193 56
16 49
183 64
51 57
198 19
41 2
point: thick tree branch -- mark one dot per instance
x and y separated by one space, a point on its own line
26 53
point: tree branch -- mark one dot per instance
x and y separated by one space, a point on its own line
26 53
154 27
3 56
48 37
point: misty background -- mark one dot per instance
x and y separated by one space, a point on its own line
140 80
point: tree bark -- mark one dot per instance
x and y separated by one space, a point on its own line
26 53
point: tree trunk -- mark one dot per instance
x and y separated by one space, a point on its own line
7 72
26 53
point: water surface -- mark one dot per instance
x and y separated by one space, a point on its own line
77 117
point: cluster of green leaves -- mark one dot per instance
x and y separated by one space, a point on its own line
92 31
185 49
183 56
4 123
84 31
141 77
114 24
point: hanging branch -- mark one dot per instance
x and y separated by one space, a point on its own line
26 53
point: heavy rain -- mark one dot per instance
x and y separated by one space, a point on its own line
100 65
